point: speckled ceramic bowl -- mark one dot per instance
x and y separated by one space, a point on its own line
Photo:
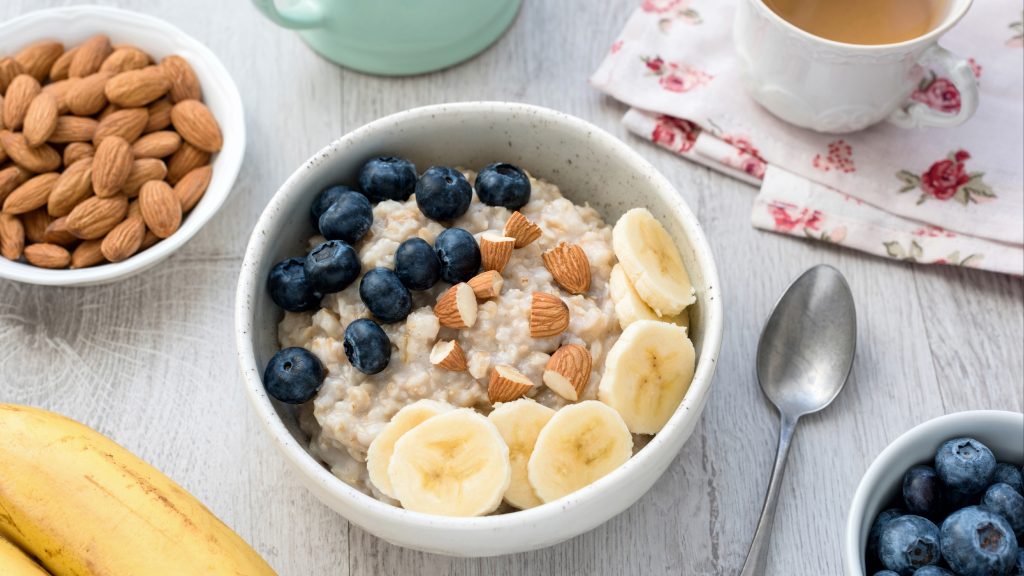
588 165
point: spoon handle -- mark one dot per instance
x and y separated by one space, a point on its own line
757 557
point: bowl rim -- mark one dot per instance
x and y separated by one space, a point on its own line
934 428
229 158
371 508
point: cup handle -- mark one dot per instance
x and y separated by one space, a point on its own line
918 114
302 16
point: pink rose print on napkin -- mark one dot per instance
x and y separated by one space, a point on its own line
948 178
930 231
674 133
789 218
671 11
617 46
839 157
747 157
1017 40
915 253
676 76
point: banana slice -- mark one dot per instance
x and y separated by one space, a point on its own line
629 307
646 374
652 262
454 464
581 443
383 446
519 423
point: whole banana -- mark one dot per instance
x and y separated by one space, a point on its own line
13 562
85 506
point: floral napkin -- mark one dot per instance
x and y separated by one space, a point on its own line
930 195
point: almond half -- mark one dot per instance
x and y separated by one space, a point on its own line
569 266
486 285
568 371
495 251
47 255
549 316
456 308
448 355
520 228
507 384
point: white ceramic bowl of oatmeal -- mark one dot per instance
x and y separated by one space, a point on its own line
589 167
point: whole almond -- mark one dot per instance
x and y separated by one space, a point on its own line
88 253
159 115
160 208
124 240
127 123
143 170
12 236
89 56
73 186
59 70
73 129
156 144
36 222
111 166
96 216
86 96
47 255
31 195
57 233
23 89
190 189
39 159
569 266
124 59
185 160
37 59
196 124
75 151
59 91
9 69
41 119
137 87
10 178
184 84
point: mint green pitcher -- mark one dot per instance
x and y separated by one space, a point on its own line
395 37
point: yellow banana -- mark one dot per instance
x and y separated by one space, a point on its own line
85 506
13 562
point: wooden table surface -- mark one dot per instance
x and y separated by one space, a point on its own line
151 361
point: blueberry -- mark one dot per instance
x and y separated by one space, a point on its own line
922 490
348 218
1005 501
388 178
459 255
933 571
443 193
385 295
965 466
908 543
289 287
293 375
503 184
417 265
886 573
876 529
1018 568
1009 474
332 266
367 346
324 200
977 542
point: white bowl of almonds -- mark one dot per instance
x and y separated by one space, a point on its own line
120 137
478 328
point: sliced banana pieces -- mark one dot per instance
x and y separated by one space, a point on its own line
519 423
629 307
646 374
581 443
378 456
652 262
453 464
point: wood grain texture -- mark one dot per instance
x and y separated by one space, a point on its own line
151 360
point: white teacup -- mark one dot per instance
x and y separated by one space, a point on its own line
836 87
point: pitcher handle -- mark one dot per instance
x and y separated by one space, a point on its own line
961 74
305 15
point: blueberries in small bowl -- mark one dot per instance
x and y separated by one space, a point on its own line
908 543
324 200
289 288
459 255
443 193
293 375
388 178
978 542
1004 500
416 264
385 295
367 346
348 218
332 266
922 491
965 466
503 184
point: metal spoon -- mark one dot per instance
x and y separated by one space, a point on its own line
803 359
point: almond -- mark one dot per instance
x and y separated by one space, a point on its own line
149 240
39 159
137 87
9 69
143 170
125 58
10 178
57 233
75 151
124 240
448 355
73 186
128 123
159 115
507 384
88 253
520 228
107 111
23 89
59 70
495 251
190 189
569 266
156 144
549 316
196 124
41 119
486 285
184 84
59 91
12 236
89 56
96 216
36 222
30 195
456 308
111 166
37 59
160 208
568 371
185 160
86 96
73 129
47 255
